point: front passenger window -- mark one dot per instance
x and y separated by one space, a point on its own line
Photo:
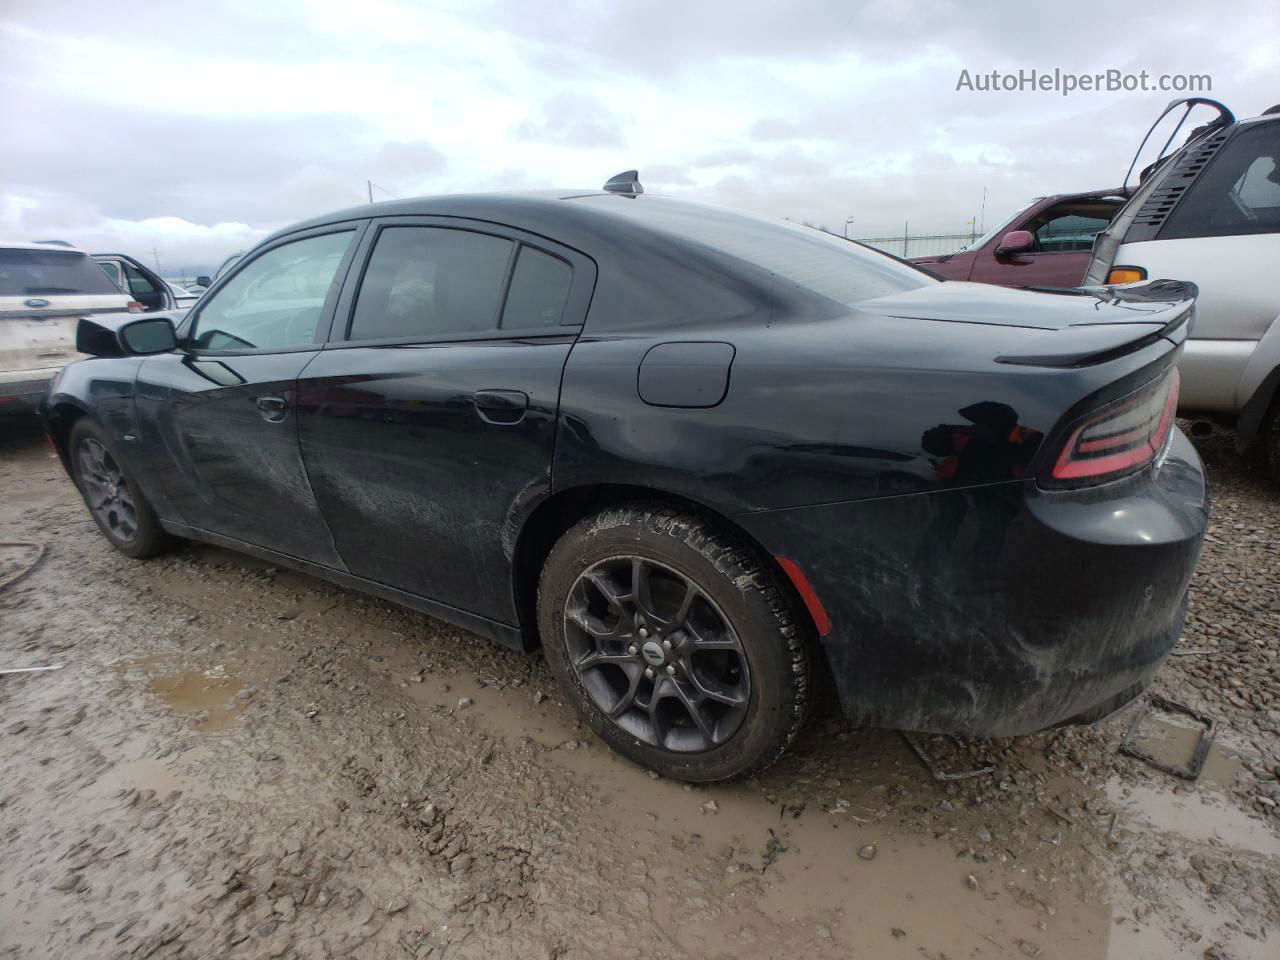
275 301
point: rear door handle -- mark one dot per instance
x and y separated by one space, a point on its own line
501 406
273 409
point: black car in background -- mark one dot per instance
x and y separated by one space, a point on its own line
696 455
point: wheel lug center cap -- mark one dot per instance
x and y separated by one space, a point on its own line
653 653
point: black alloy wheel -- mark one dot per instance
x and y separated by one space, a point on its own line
106 491
676 641
111 492
656 654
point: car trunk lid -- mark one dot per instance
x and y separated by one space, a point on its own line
1062 327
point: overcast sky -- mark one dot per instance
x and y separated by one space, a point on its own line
195 130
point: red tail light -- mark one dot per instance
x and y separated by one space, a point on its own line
136 307
1121 437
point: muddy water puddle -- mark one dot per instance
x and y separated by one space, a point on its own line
1172 740
142 773
210 693
732 871
729 871
777 881
1164 803
1193 815
208 696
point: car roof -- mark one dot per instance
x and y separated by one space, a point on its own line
572 218
1265 118
123 256
1084 195
450 204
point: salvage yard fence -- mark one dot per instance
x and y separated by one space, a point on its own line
920 245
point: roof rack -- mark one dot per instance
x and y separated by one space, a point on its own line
626 183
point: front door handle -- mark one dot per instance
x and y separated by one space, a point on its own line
273 409
501 406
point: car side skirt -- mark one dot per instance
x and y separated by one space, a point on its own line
504 634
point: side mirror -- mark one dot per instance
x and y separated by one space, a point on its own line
145 337
1015 241
204 281
121 336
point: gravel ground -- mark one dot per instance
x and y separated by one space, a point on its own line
239 761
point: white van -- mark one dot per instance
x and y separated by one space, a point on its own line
44 289
1210 213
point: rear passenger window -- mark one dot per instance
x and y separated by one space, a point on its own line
431 281
539 290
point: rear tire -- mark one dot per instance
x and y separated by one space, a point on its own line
114 499
675 643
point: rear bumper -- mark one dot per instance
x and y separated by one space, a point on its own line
1003 609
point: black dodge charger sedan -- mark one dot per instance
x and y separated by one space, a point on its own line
695 455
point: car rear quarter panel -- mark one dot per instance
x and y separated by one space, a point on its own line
826 409
890 459
1002 609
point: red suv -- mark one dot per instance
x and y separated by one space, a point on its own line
1048 244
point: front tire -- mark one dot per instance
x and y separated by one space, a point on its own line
675 643
114 499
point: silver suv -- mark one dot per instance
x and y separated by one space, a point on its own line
44 289
1209 212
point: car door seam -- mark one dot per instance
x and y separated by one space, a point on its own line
306 470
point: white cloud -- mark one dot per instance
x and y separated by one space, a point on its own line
236 119
176 246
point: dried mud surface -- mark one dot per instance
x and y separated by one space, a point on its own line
239 761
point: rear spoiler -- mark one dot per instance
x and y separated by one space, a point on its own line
1088 344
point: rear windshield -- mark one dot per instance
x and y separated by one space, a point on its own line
45 273
828 265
